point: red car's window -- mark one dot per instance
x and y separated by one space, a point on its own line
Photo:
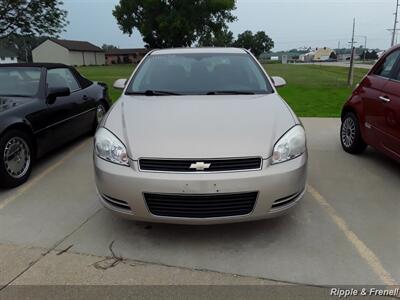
385 69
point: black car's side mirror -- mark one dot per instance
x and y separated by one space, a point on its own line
55 92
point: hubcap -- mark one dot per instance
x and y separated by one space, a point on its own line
100 113
17 158
348 132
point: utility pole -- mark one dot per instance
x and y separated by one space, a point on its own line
351 70
395 23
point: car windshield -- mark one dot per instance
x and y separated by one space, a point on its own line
199 74
19 82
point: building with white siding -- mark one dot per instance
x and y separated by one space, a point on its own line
72 53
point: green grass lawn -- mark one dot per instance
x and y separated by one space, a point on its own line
108 74
315 91
312 90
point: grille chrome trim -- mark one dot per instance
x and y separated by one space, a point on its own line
116 203
283 202
201 206
220 165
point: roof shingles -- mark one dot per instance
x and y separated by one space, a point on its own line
127 51
77 45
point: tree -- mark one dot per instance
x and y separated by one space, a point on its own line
173 23
245 40
369 55
372 55
107 47
31 17
257 43
262 43
223 38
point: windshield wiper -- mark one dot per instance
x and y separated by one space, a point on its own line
231 93
154 93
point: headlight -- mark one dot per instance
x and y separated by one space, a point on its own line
110 148
290 146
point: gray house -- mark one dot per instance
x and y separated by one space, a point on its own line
72 53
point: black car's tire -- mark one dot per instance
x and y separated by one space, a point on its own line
350 134
101 110
16 158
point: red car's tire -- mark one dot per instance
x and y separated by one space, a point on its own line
350 134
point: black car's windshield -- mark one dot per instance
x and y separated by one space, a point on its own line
199 74
19 81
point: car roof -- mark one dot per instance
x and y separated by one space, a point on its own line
199 50
35 65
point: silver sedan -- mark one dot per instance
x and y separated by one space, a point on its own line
200 136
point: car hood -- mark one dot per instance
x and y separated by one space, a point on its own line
9 103
200 126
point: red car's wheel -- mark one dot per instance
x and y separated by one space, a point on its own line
350 134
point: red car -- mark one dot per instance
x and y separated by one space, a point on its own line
372 114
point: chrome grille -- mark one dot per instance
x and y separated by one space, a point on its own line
196 165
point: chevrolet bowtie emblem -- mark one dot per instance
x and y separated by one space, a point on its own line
200 166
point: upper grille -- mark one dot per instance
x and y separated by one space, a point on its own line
201 206
216 165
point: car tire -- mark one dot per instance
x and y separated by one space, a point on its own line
350 134
16 158
101 110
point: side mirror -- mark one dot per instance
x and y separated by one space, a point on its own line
55 92
278 81
120 84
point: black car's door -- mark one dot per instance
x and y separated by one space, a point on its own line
72 115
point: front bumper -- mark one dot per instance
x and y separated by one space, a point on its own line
272 183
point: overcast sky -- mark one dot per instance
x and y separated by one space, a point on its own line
290 23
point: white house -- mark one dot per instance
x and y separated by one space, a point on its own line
324 54
380 53
319 54
307 57
72 53
7 57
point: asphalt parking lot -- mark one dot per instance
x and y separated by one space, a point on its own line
345 231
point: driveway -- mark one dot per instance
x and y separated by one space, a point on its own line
344 64
345 231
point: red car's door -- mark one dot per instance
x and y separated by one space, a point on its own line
376 99
391 116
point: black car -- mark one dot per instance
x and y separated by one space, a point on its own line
43 106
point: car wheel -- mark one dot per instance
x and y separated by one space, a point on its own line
16 158
350 134
101 111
